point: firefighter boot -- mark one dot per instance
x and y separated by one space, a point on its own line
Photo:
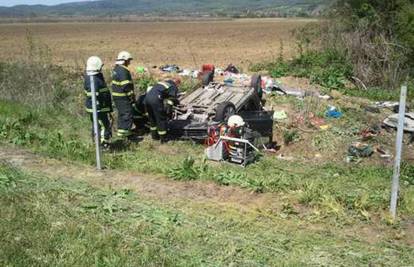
154 135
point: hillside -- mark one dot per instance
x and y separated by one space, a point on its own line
171 8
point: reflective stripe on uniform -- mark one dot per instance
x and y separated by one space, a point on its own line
123 133
101 110
162 132
122 94
122 83
153 128
102 130
103 90
166 85
170 102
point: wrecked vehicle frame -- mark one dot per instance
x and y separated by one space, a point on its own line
213 104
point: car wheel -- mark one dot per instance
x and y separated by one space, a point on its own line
256 83
207 78
224 111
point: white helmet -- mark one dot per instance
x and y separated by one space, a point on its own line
123 56
94 65
236 121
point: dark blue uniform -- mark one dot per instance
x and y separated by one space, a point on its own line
161 94
124 98
104 104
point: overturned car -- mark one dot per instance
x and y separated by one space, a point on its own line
214 103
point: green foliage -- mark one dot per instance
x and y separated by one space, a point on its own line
377 37
407 174
186 171
290 136
230 177
51 222
329 69
143 82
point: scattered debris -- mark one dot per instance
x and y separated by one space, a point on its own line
370 132
170 68
384 153
271 147
280 115
333 112
392 122
325 127
231 68
316 121
359 150
386 104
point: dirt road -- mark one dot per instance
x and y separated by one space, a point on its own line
148 186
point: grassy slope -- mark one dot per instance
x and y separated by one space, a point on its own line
336 192
50 222
333 194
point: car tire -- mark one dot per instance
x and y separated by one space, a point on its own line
224 111
207 78
256 83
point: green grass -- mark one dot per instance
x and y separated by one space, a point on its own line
54 222
331 71
358 192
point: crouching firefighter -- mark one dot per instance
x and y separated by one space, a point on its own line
123 94
158 100
103 99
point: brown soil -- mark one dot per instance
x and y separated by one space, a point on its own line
145 185
188 43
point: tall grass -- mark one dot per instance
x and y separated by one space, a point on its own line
49 222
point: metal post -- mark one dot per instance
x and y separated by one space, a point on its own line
95 124
400 134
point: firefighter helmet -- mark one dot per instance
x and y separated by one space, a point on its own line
236 121
123 56
94 65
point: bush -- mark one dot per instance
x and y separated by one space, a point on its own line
377 38
328 68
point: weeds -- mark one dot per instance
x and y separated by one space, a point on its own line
290 136
186 171
52 222
328 69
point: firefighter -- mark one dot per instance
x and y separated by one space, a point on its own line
139 114
123 94
103 96
158 100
